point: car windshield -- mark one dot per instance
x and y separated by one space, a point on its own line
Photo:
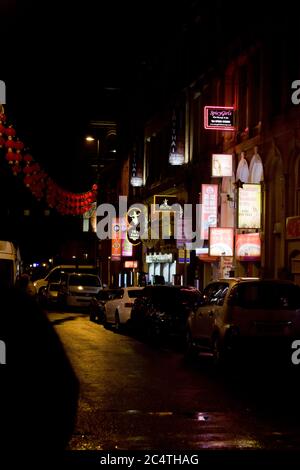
84 280
133 293
268 295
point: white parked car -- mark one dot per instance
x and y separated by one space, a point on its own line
118 310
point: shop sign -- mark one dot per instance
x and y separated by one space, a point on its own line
209 208
181 255
219 118
220 241
249 206
247 246
134 216
159 258
221 165
131 264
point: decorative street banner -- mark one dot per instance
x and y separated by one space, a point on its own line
220 241
116 240
247 246
219 118
126 246
209 208
249 206
221 165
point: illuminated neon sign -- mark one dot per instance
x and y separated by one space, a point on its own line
219 118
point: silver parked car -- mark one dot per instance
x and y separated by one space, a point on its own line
77 289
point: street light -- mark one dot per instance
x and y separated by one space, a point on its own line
89 138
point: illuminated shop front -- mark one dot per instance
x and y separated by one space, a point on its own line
161 264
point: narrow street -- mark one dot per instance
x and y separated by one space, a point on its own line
138 397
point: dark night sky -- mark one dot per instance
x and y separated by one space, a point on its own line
62 58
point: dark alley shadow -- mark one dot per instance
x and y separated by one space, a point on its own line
39 390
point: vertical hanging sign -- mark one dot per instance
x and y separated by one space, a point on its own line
209 208
116 240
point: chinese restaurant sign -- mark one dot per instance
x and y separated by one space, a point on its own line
247 246
249 206
219 118
220 241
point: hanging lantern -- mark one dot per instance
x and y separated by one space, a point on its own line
175 158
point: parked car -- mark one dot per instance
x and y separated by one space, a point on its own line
51 296
161 311
118 310
236 315
54 275
77 289
97 304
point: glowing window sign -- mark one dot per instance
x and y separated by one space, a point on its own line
209 208
219 118
249 206
247 246
221 165
220 241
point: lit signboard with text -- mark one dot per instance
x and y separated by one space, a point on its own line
219 118
221 165
209 208
249 206
131 264
220 241
116 240
247 246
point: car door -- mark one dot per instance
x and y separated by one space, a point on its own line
112 305
206 314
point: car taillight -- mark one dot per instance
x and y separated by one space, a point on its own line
128 304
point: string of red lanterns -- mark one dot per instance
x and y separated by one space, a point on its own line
37 180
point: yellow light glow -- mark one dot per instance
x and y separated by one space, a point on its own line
89 138
80 288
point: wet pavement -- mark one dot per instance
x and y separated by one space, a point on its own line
135 396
